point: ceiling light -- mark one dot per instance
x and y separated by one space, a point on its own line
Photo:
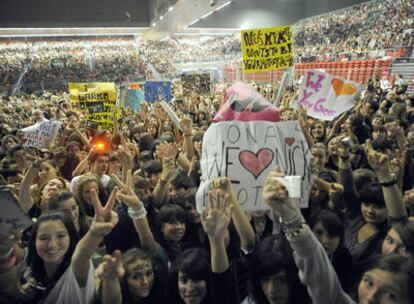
224 5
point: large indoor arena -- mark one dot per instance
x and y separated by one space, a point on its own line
207 151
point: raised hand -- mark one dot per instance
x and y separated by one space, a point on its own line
216 217
224 185
409 198
124 154
168 169
186 125
194 167
276 195
378 161
302 117
105 219
335 192
127 194
166 150
197 148
111 267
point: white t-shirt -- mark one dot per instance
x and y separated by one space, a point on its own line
67 290
74 182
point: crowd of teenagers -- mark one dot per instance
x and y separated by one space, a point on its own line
362 31
117 222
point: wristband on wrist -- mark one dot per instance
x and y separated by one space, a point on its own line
188 135
137 213
389 184
162 182
292 227
344 157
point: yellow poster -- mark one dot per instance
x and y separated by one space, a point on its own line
267 49
97 101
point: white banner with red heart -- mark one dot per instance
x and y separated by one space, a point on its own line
325 96
246 152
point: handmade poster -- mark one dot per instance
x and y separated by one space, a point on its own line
246 143
96 100
246 152
133 99
157 91
12 216
267 49
325 96
41 135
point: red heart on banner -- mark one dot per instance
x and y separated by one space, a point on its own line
256 163
289 140
342 88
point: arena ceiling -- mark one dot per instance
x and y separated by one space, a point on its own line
22 17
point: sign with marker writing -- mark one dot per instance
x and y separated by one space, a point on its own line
325 96
12 216
246 152
267 49
96 100
41 135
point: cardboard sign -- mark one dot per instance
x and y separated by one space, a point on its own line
11 216
96 100
267 49
41 135
325 96
246 152
133 99
157 90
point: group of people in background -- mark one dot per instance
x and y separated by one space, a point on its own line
114 213
362 31
119 224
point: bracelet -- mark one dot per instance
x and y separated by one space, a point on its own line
162 183
292 233
344 157
389 184
137 214
292 227
294 222
188 135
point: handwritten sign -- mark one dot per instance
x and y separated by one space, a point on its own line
246 152
41 135
325 96
133 99
12 216
157 90
96 100
267 49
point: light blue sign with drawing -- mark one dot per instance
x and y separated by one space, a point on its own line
133 99
157 91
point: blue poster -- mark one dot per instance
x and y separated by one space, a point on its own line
133 99
153 90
